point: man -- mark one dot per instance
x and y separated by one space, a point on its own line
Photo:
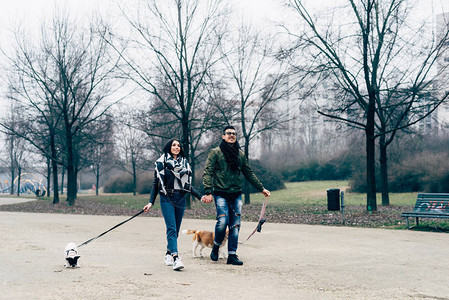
223 183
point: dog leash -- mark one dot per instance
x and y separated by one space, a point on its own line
94 238
260 222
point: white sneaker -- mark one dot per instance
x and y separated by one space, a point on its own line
168 260
177 264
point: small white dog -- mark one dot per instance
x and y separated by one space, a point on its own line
202 239
71 256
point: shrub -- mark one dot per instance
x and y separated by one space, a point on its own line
123 183
442 185
357 183
336 169
120 183
406 180
271 180
419 173
144 183
422 172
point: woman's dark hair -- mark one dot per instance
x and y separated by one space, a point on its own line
167 148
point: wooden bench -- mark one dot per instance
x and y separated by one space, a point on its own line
429 205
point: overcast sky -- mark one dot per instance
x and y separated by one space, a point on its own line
32 10
29 13
260 12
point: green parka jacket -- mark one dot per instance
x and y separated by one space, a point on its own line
218 176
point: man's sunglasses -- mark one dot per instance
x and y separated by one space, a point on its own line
230 133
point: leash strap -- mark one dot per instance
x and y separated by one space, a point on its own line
260 222
94 238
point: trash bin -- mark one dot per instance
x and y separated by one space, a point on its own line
333 199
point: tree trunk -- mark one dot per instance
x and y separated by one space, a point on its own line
246 186
55 182
19 171
370 80
186 147
189 197
55 170
384 171
12 167
11 190
98 179
134 177
48 177
371 204
71 185
71 173
193 167
62 180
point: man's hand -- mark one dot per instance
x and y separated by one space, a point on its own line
147 207
266 193
207 199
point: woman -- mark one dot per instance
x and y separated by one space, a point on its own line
172 180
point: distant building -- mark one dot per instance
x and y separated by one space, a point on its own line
437 124
307 135
441 117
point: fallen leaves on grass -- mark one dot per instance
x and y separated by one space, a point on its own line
355 215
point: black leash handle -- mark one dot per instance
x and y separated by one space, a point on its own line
94 238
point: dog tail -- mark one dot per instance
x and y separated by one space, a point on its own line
189 231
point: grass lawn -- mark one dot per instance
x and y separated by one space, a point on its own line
296 194
314 193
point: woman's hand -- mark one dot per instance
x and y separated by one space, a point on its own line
207 199
147 207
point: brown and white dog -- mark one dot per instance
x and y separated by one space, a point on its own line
204 238
71 256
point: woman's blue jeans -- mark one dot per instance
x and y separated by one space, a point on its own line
173 206
228 215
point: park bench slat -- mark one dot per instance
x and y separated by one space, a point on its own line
433 195
429 205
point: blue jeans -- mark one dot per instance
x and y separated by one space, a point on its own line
228 215
173 207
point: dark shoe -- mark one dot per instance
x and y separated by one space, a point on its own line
234 260
214 252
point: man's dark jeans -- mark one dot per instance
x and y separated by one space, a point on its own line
228 214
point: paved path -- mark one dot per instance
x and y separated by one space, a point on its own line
283 262
4 201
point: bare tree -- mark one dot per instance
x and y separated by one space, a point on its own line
65 73
159 123
16 150
131 149
39 126
19 159
257 81
178 42
101 149
411 93
15 145
371 55
11 165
